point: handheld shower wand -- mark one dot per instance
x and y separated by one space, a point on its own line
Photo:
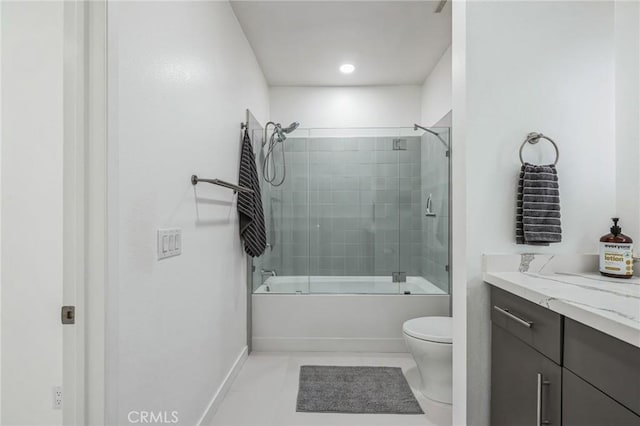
278 136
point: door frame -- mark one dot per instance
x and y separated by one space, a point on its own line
73 208
85 207
96 237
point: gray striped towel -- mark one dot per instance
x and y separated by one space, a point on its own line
538 208
252 228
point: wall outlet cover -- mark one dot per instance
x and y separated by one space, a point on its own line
57 397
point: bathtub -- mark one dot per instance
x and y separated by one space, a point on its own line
346 285
357 314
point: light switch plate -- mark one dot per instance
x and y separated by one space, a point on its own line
169 242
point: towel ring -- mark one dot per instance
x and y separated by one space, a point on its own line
533 138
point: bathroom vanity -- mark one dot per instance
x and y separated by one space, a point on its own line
565 349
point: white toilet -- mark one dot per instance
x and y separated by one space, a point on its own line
430 342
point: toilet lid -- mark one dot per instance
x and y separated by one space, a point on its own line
433 329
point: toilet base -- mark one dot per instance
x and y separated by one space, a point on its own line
435 400
434 361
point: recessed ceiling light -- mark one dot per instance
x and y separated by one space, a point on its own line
347 68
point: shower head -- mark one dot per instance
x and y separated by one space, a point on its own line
291 127
283 132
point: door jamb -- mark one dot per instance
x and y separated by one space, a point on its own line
85 203
96 160
74 211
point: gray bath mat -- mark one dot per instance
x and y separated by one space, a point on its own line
332 389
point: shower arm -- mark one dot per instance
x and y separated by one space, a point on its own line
417 126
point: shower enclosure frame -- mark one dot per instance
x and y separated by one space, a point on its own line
251 319
254 127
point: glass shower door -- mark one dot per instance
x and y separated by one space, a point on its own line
409 199
424 217
386 220
340 211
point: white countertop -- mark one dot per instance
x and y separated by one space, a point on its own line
607 304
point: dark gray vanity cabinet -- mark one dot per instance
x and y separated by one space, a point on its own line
548 369
526 383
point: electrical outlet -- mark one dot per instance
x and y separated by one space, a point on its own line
169 242
57 397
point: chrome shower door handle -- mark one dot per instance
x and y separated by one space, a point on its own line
541 383
428 211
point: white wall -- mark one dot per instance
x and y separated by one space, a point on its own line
181 75
1 134
32 210
559 80
627 73
332 107
437 91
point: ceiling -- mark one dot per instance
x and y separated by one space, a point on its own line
302 43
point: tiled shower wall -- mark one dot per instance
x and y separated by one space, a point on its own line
348 206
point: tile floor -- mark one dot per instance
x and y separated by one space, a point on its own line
265 391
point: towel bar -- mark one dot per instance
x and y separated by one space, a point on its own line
236 188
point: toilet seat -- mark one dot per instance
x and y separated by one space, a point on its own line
431 329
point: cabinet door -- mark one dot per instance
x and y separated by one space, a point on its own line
526 386
609 364
584 405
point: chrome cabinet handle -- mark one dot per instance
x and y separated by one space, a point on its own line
541 382
508 314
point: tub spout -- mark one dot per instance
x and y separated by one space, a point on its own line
271 272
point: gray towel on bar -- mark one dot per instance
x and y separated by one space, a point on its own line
538 208
252 228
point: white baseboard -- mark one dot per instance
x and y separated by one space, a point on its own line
214 404
328 344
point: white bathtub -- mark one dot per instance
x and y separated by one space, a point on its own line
359 314
346 285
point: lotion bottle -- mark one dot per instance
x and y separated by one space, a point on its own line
616 253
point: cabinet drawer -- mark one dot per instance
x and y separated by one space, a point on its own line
531 323
584 405
609 364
